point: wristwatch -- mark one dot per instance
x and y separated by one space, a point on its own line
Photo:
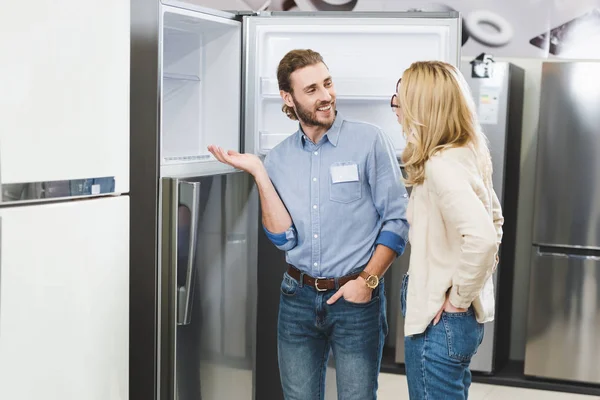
371 280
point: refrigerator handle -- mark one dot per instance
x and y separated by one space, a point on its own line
189 196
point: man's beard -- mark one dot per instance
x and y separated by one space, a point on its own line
310 117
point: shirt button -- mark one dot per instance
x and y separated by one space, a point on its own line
316 153
405 195
316 236
314 179
316 264
315 207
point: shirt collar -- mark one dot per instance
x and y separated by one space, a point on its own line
332 135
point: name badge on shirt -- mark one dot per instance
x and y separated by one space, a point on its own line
344 172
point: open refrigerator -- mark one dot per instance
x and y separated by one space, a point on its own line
64 208
204 288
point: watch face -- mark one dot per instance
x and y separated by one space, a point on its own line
372 281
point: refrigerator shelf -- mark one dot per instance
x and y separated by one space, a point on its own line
181 77
187 159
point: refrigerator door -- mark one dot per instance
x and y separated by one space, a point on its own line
365 52
208 275
64 301
564 317
200 87
64 108
567 208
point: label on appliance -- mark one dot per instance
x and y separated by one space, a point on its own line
489 105
96 189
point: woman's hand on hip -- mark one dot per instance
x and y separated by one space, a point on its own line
449 308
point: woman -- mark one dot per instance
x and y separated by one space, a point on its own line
455 230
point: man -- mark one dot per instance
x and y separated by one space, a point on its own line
332 198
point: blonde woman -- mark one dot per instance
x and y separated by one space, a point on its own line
455 230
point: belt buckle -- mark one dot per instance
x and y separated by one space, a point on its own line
317 285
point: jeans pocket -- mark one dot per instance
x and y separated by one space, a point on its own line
464 334
289 285
374 299
403 290
376 295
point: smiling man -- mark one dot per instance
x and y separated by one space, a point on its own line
332 198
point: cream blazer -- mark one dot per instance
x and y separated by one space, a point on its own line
455 232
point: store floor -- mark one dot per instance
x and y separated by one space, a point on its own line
393 387
231 383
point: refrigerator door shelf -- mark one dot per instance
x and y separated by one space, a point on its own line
38 191
269 140
200 88
358 52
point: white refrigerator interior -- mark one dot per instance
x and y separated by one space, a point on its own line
366 57
202 66
200 93
64 298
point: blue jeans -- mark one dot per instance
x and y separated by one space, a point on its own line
308 328
437 360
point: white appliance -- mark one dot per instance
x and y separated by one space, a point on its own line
203 296
64 208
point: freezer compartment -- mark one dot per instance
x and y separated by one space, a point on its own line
564 317
200 86
210 267
64 301
358 53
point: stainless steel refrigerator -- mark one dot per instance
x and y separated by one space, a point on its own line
499 101
564 295
203 291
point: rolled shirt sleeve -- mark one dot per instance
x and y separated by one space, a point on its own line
389 194
285 240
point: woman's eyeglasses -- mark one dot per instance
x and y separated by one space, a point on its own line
392 103
394 97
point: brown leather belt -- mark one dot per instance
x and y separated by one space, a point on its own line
320 284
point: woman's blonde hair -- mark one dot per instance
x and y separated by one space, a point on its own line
438 113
